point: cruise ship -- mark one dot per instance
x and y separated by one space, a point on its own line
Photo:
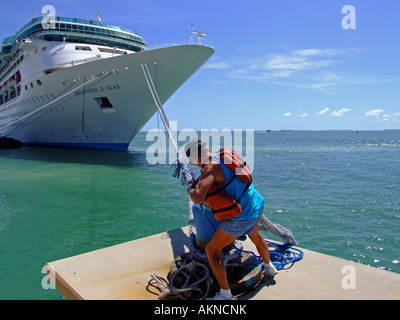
75 83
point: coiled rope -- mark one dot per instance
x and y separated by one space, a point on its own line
283 257
191 281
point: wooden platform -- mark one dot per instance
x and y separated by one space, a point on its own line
122 272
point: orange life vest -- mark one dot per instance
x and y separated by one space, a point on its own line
223 205
235 162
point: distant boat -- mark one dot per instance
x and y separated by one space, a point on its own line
268 131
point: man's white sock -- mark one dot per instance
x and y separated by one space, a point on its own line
227 294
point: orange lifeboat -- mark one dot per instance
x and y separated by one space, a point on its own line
18 77
12 82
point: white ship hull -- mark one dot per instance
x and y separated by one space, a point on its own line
65 110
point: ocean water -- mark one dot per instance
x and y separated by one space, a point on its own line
338 191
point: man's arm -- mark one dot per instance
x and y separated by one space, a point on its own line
199 191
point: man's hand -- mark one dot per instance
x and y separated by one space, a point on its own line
194 183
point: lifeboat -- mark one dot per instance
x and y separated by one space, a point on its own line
18 77
12 82
32 45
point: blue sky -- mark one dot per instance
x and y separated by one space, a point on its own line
278 64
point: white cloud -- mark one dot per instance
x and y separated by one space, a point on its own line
321 52
299 60
287 62
340 112
312 68
374 113
218 65
287 114
219 81
302 115
291 65
325 110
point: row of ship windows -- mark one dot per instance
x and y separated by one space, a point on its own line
37 81
85 48
80 29
105 50
17 114
29 100
74 27
13 93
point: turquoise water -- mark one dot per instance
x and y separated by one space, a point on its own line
338 191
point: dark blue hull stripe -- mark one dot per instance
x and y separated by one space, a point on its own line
101 146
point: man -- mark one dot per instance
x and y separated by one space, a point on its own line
252 203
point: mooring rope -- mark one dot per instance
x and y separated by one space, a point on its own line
181 167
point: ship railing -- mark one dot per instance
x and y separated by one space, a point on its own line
191 41
92 38
80 61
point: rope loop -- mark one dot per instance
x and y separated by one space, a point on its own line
191 281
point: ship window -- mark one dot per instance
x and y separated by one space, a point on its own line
39 82
104 103
111 50
83 48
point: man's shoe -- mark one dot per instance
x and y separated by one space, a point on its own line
269 269
219 296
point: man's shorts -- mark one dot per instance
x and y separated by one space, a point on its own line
239 228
